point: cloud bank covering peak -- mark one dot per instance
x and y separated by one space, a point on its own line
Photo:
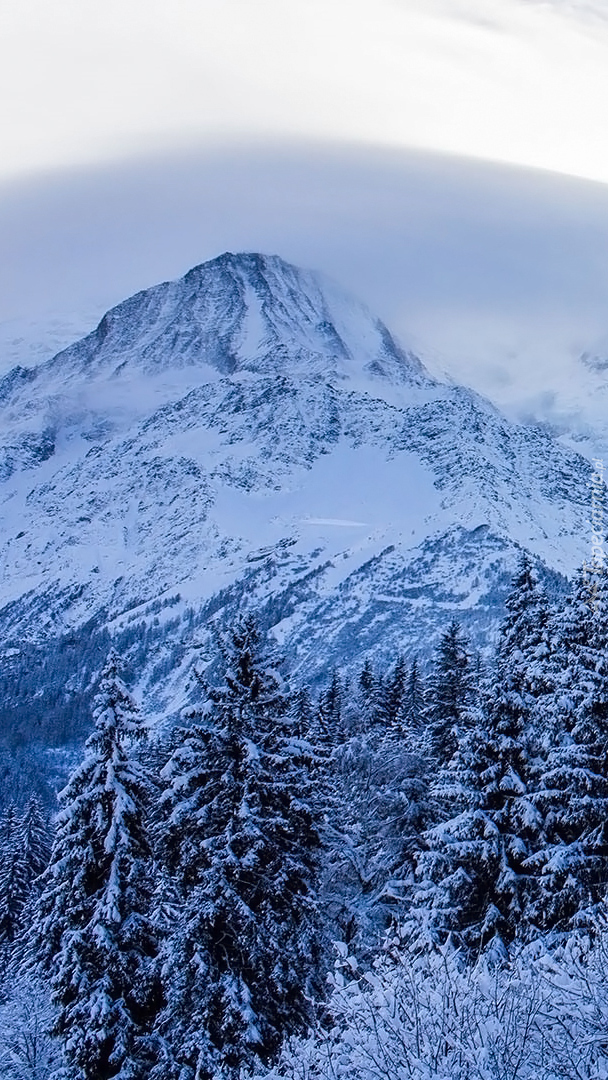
391 145
495 276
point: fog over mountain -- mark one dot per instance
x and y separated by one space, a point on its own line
496 277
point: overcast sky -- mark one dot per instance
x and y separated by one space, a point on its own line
521 81
394 144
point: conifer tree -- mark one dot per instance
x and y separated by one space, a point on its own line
241 846
396 691
450 693
380 811
303 712
13 883
93 931
30 842
401 806
384 703
523 655
475 874
328 721
314 754
366 706
412 711
35 840
367 678
572 785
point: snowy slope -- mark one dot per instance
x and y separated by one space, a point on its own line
248 434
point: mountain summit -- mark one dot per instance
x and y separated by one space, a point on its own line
249 435
238 313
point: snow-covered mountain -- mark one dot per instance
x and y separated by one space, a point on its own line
249 435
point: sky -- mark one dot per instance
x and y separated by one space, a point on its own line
446 160
518 81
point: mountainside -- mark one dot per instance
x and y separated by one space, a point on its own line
248 435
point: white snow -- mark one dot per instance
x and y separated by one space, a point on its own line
170 475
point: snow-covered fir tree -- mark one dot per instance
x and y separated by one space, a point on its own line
402 809
351 869
303 712
450 692
367 704
572 782
411 715
30 844
241 845
522 664
93 931
395 692
327 727
13 883
361 699
35 840
385 699
367 678
475 875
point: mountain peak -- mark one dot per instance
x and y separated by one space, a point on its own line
242 312
275 457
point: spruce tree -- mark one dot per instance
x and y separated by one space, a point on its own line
93 931
13 883
31 842
365 705
396 691
449 695
475 875
241 846
572 782
412 711
384 703
328 721
367 678
522 660
35 840
303 713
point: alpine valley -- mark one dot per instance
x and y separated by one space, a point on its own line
248 436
